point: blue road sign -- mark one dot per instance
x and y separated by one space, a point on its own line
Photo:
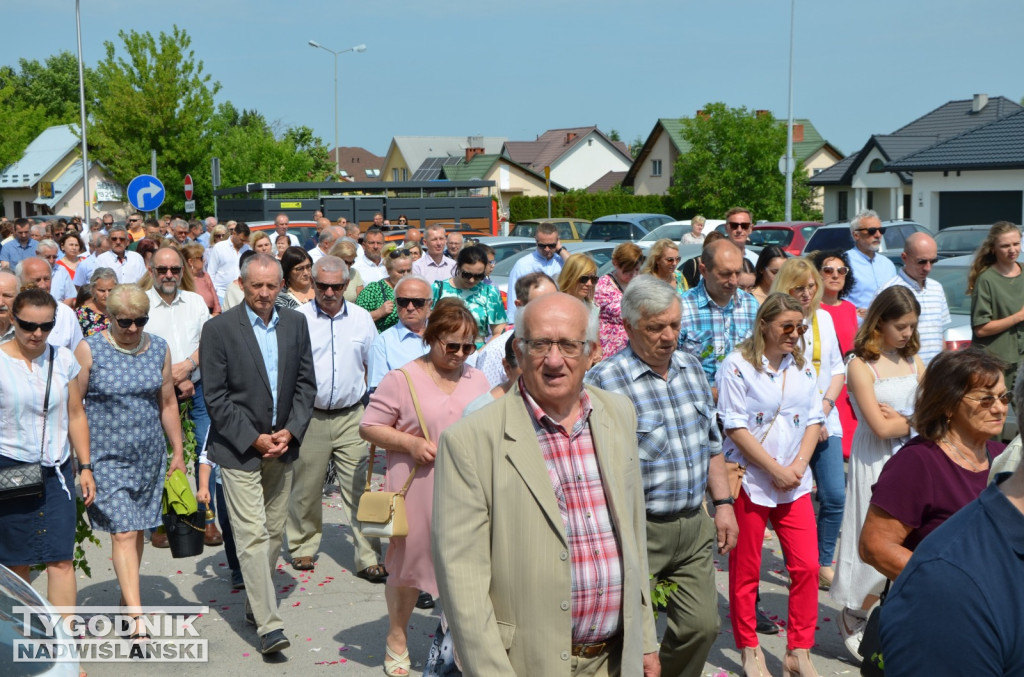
146 193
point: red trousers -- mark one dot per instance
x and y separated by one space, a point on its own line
797 532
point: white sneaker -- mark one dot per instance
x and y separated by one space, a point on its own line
851 626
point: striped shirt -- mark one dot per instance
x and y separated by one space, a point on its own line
934 313
676 430
595 555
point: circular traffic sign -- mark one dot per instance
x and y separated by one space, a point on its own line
188 186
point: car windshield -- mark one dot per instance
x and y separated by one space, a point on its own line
672 232
828 239
609 230
652 222
960 240
766 236
524 230
503 251
954 283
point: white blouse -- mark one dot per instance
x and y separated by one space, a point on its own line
748 398
831 363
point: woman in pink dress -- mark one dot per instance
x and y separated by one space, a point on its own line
627 260
444 385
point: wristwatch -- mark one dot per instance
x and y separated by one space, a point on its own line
723 501
84 466
831 402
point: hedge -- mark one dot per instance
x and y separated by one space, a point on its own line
587 205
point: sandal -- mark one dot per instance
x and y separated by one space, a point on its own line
374 574
398 662
302 563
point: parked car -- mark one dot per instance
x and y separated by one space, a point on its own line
16 593
505 247
624 227
838 236
569 229
790 235
601 252
960 240
300 229
674 230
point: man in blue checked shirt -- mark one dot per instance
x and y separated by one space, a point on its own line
680 459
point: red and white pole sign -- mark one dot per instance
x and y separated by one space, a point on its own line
190 206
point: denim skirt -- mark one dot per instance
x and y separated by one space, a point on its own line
39 529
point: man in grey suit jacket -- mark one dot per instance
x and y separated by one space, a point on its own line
257 367
539 525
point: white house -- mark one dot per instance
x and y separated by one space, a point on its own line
577 156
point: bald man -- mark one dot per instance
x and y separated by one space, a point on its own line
919 254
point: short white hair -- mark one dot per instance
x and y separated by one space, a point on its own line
866 214
646 296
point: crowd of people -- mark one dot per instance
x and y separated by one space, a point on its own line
556 452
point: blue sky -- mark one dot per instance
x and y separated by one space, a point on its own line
517 68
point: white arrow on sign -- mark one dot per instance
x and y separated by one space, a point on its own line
152 190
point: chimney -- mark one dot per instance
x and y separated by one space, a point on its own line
798 133
762 112
473 152
702 114
569 136
980 101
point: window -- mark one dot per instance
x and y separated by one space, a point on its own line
876 165
655 167
405 174
394 174
842 205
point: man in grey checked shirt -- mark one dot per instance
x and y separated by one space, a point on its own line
680 458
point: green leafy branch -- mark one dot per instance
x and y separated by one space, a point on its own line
661 592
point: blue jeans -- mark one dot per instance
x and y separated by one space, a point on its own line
827 466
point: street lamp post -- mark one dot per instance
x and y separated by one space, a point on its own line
357 48
81 102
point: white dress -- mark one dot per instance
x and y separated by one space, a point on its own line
855 580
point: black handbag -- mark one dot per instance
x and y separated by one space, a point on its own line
873 664
26 479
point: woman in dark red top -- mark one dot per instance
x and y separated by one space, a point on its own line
961 404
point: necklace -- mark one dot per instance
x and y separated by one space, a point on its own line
143 343
956 448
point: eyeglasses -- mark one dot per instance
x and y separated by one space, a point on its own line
789 328
451 348
303 267
832 270
163 270
472 276
541 347
670 259
125 322
118 239
404 301
31 327
553 245
592 279
987 401
337 288
871 231
399 253
803 289
921 262
745 225
129 221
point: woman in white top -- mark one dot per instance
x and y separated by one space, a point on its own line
882 380
800 279
769 401
696 234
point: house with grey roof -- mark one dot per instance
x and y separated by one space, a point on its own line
577 156
407 153
47 179
875 178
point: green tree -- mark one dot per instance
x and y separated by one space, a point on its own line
155 97
636 146
614 135
733 161
53 85
21 123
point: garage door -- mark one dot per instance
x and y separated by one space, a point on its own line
962 208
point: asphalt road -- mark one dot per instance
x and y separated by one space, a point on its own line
337 622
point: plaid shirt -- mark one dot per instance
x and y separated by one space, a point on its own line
710 332
676 430
593 544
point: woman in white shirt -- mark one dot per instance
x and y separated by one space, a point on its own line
768 399
799 278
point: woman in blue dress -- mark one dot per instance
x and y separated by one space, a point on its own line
130 405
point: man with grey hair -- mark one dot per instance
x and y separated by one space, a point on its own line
538 518
341 335
129 266
680 459
403 342
434 265
352 230
179 231
257 367
329 236
870 271
98 244
209 224
920 253
61 286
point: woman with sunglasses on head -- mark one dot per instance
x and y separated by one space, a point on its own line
996 286
883 378
771 409
767 267
799 278
133 417
627 260
662 260
379 297
297 267
483 300
40 529
443 385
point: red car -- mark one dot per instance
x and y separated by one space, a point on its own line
790 235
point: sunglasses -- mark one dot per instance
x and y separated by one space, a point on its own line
832 270
670 259
31 327
399 253
163 270
125 322
118 239
129 221
451 348
547 246
404 301
871 231
987 401
589 278
745 225
803 289
921 262
789 328
337 288
472 276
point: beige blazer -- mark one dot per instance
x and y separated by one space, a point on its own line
499 544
